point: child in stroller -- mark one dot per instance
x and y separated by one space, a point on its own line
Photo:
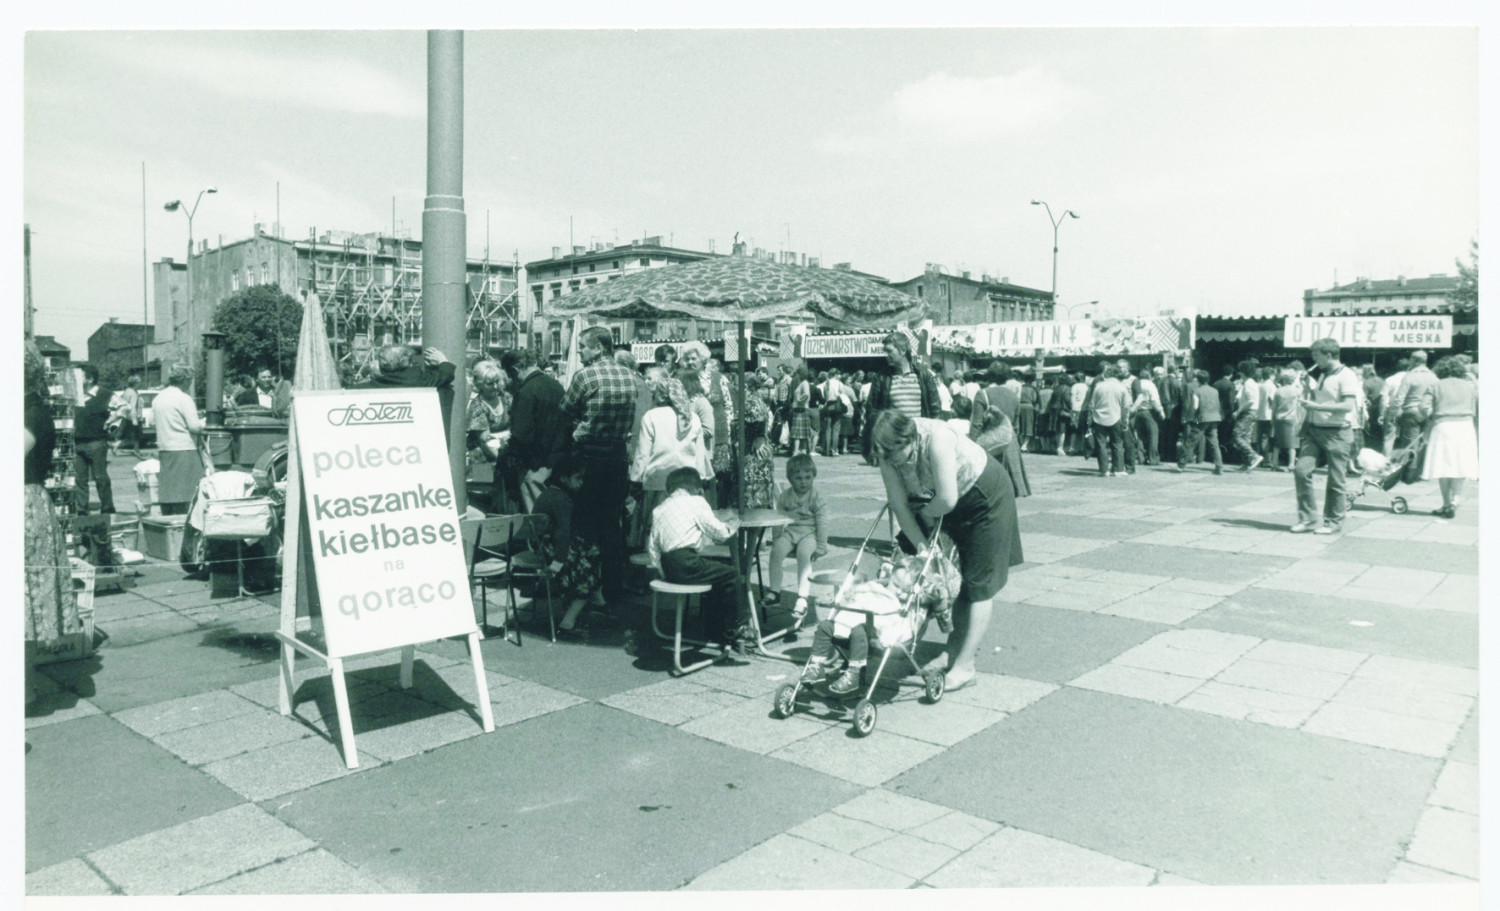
885 595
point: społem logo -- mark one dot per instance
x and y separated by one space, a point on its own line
371 414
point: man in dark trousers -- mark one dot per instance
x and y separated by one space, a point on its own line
1169 383
537 429
91 443
1226 390
599 408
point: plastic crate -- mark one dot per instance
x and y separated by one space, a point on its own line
162 536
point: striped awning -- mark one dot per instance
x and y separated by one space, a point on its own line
1240 335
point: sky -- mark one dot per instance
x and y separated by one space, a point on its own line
1216 169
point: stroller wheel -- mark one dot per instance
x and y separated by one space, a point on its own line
1398 506
786 701
936 683
864 717
1349 501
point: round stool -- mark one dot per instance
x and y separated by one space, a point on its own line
676 596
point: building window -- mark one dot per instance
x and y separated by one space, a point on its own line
325 272
591 267
556 338
536 293
614 333
265 274
591 281
615 264
645 329
573 285
645 260
234 281
919 291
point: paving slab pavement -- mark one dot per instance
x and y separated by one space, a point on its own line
1174 691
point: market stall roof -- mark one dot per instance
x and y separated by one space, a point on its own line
745 288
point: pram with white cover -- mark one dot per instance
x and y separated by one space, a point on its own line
893 622
1378 472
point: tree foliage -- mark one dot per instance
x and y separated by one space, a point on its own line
1466 295
261 325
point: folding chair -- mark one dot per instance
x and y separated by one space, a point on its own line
487 555
527 562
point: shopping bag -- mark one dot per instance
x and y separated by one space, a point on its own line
250 517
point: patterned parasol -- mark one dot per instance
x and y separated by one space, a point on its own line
740 288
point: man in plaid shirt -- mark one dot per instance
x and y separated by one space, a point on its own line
600 405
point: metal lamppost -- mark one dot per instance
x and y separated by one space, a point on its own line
177 205
1056 222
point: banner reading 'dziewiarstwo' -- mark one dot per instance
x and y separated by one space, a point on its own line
382 520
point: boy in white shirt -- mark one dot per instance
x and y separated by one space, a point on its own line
680 527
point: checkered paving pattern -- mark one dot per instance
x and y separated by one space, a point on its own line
1174 597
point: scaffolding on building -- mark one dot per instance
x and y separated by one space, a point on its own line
371 290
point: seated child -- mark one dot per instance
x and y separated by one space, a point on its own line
887 594
573 561
807 535
680 527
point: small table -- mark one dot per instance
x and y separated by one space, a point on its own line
746 547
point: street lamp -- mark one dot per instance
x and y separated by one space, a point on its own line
176 205
1080 304
1055 223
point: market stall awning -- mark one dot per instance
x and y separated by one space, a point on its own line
742 288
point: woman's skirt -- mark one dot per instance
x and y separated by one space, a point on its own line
1284 434
1025 420
801 424
51 606
1046 422
984 528
181 470
1452 451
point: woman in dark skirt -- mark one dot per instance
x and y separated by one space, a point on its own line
932 472
179 429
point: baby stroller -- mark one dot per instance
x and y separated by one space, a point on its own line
892 624
1404 466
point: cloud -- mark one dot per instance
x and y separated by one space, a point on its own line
321 82
960 107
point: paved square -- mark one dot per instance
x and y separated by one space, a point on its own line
403 824
70 765
1108 773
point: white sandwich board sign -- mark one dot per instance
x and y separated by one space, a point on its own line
370 504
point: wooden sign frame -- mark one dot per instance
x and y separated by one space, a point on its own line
303 633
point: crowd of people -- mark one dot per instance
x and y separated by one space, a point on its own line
649 451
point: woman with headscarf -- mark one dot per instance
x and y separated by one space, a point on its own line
51 607
659 450
179 428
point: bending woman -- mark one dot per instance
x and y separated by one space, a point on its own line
931 473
